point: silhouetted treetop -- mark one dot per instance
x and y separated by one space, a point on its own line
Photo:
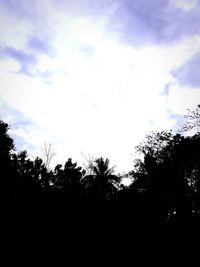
100 184
165 186
168 175
6 142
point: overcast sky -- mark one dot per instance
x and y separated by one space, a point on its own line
93 77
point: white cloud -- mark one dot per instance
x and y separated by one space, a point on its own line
183 98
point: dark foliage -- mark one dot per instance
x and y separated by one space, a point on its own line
165 188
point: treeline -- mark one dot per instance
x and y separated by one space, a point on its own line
165 187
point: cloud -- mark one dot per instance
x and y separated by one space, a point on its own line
153 22
20 128
181 98
137 23
24 10
40 45
99 73
113 79
184 5
26 25
188 73
26 61
19 55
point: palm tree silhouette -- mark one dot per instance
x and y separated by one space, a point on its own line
101 183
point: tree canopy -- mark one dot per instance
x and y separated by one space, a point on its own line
165 187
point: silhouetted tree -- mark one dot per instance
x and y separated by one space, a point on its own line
165 184
68 179
101 183
6 148
6 144
165 176
28 181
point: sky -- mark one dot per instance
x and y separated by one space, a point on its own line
92 78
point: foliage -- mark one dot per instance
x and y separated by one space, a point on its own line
169 174
100 184
165 187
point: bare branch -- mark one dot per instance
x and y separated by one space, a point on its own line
88 162
48 154
192 120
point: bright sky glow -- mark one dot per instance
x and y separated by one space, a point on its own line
73 75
